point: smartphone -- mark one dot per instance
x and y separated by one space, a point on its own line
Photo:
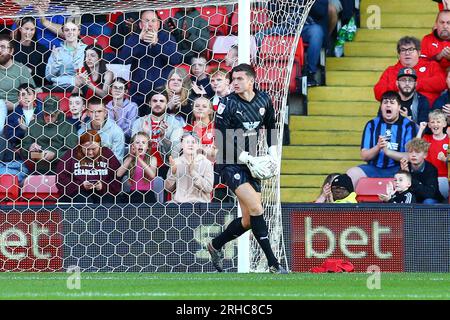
171 23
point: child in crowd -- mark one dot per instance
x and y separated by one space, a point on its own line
142 168
424 175
200 79
400 191
77 108
438 140
18 121
191 175
123 111
220 83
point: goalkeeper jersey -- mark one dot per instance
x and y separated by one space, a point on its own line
239 124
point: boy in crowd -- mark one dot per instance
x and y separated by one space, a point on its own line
438 140
424 175
77 108
401 192
220 83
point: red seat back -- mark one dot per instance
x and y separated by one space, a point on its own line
40 187
259 18
101 41
368 189
216 16
9 187
164 14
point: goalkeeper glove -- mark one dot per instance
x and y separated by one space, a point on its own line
260 167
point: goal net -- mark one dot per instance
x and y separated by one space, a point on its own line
96 101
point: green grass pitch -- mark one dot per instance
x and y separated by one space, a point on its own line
214 286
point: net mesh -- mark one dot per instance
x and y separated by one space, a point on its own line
43 154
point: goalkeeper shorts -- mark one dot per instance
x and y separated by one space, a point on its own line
233 175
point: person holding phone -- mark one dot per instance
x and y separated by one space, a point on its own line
87 173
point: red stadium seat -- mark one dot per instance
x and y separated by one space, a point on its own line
216 18
271 77
259 17
164 14
9 187
63 99
40 187
101 41
368 189
276 48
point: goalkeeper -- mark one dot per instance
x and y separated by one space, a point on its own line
240 117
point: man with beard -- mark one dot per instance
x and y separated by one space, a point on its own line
436 45
430 76
414 105
12 74
384 139
165 131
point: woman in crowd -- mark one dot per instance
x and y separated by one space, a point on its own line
88 172
123 111
141 168
202 124
178 88
93 78
64 61
191 176
28 51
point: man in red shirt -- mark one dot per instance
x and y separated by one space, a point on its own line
436 45
430 76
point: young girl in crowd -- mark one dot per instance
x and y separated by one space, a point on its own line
123 111
191 176
438 140
93 78
142 169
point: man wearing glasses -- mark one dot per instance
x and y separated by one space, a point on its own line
430 77
414 105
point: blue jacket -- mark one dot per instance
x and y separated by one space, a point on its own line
13 132
443 99
150 64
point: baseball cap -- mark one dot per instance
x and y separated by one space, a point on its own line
50 105
344 181
407 72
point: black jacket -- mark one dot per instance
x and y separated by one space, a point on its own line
425 183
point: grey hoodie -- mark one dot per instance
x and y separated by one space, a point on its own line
112 137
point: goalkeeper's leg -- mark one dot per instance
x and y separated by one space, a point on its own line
250 199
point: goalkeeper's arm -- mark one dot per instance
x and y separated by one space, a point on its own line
263 167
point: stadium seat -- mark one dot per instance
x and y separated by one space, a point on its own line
164 14
272 77
9 187
41 188
368 189
258 16
101 41
217 19
63 99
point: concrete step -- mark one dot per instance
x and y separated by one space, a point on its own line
341 94
313 167
339 138
390 34
399 20
403 6
342 108
352 78
321 152
330 123
370 49
299 194
359 64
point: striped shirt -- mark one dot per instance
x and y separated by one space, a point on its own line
397 134
239 123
